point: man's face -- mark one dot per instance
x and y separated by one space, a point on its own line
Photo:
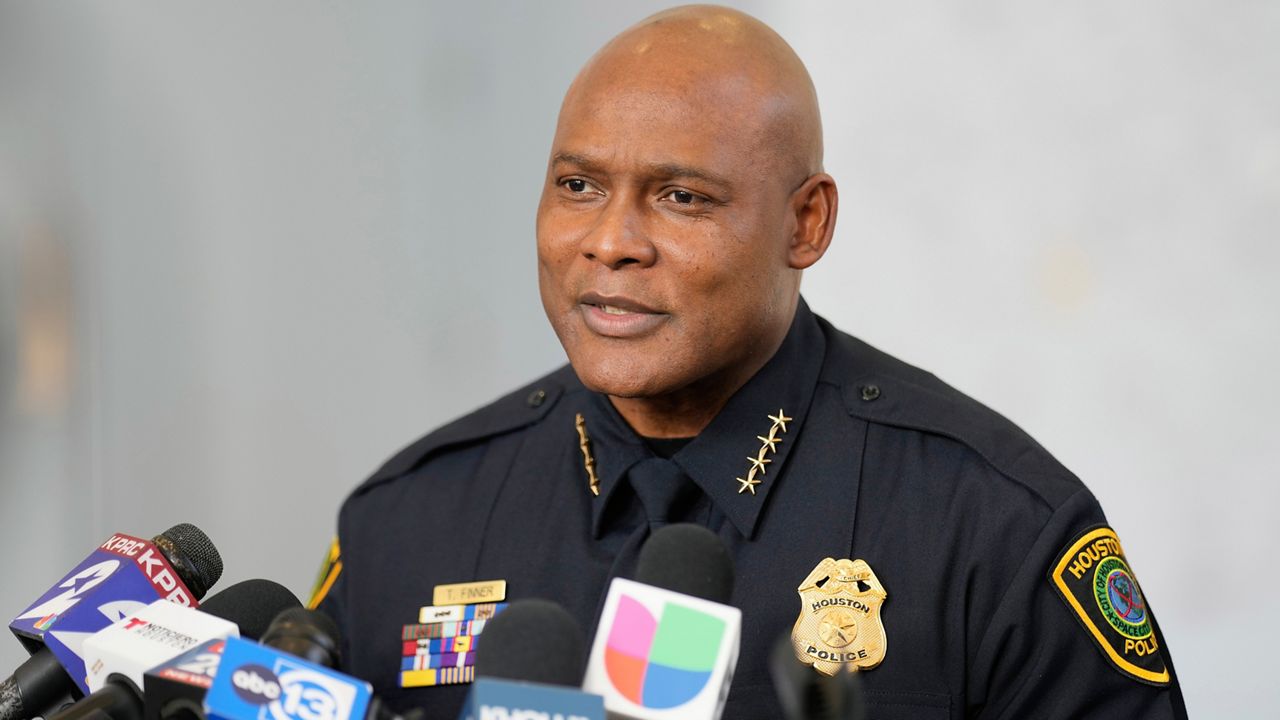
663 235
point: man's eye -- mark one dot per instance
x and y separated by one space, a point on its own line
576 185
683 197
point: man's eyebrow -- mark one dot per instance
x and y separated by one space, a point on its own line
581 161
658 170
672 170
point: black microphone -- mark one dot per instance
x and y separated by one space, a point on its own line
532 641
529 662
307 637
250 605
806 694
175 690
310 634
253 605
313 636
688 559
667 642
120 571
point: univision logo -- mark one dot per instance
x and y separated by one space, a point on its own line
661 662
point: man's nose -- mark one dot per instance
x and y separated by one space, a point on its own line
619 238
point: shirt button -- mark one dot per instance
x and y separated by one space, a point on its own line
870 392
536 398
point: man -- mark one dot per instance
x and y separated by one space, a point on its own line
684 197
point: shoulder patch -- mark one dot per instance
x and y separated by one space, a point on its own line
1095 581
329 571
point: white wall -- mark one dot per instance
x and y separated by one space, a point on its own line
246 252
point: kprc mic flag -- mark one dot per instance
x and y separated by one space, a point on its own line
122 576
663 655
132 564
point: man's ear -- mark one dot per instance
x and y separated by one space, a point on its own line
814 204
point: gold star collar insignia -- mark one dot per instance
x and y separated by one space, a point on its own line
769 445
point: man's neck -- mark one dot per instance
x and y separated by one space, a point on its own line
686 412
668 417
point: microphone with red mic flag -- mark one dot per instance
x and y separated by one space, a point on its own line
122 575
118 656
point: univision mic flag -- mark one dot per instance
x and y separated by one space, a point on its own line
662 655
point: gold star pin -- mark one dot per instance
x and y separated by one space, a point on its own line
758 463
760 459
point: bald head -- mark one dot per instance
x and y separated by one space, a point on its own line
683 199
735 64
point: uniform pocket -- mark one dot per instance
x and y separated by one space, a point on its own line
882 705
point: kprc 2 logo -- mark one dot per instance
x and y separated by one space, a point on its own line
661 662
293 692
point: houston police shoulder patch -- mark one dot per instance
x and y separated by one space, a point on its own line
329 571
1095 581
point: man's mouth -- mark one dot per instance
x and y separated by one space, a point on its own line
618 317
617 304
613 310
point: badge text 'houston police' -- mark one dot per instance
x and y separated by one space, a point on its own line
839 623
1094 579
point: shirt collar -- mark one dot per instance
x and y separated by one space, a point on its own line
719 460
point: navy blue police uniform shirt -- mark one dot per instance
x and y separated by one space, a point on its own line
984 543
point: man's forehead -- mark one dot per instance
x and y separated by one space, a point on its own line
675 123
679 93
710 86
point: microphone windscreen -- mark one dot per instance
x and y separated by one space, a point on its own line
192 555
806 694
533 641
310 634
251 605
688 559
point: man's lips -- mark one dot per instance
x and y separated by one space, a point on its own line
618 316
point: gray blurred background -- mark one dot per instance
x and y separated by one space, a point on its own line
248 250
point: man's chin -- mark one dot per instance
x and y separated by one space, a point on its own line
622 379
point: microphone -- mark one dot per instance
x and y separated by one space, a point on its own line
147 638
253 605
255 681
121 576
118 656
309 634
297 634
688 559
806 694
667 643
175 690
529 665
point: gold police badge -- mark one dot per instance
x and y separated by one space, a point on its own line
839 623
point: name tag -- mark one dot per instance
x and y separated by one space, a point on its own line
485 591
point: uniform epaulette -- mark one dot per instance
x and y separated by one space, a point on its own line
511 412
879 388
